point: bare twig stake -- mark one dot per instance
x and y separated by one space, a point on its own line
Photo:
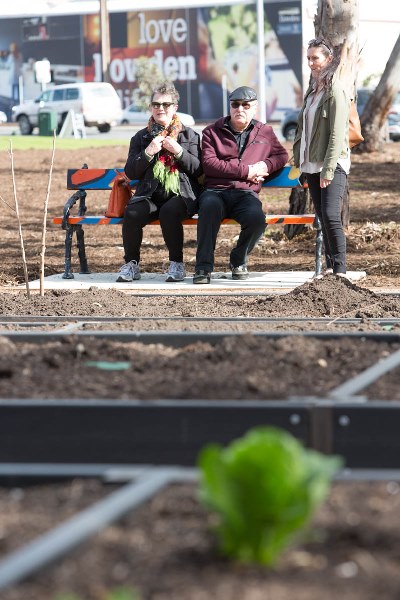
19 223
6 203
46 203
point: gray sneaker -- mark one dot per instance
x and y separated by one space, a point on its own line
129 272
176 271
240 272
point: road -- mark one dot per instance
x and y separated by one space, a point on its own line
120 132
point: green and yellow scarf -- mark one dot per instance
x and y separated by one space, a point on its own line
166 168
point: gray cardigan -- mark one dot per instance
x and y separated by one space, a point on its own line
330 134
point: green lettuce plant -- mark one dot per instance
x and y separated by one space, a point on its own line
264 488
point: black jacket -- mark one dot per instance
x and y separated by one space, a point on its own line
138 166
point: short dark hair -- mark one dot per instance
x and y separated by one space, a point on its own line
166 88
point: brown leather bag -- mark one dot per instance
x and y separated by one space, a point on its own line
119 196
355 136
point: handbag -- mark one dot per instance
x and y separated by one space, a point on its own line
355 136
119 196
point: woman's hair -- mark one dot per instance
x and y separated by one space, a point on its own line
166 88
327 49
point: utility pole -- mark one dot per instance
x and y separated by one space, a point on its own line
261 62
105 41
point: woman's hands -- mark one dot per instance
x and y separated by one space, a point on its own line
324 182
155 145
171 145
163 143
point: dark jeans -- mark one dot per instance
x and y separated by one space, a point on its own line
171 214
214 205
328 206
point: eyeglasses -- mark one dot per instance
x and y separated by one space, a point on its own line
245 105
165 105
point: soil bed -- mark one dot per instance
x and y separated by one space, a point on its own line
165 550
236 368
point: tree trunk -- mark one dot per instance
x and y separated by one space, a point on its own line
299 204
373 118
337 21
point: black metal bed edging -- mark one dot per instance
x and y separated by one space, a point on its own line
55 319
178 339
114 473
167 432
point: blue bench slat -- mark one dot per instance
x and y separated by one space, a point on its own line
102 179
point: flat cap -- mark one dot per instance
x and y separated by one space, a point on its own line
243 93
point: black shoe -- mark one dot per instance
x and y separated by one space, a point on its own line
240 272
202 276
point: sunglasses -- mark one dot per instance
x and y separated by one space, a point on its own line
165 105
245 105
318 42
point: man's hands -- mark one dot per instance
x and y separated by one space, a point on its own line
160 142
258 172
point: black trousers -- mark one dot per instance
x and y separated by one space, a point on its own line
137 215
214 205
328 207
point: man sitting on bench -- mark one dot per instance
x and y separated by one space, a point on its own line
238 153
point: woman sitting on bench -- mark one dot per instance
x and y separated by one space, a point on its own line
165 158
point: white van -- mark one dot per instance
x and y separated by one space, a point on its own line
98 102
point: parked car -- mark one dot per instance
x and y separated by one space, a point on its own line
394 126
132 115
394 120
98 102
289 121
3 117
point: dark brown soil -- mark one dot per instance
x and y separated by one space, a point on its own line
165 550
330 297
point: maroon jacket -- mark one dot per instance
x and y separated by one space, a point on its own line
221 163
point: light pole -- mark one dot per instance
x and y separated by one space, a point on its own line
261 61
105 41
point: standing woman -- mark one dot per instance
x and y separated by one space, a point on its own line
321 148
165 158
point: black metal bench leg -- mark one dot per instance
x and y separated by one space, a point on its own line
68 247
319 242
80 242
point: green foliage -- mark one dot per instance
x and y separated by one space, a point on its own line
369 79
39 142
233 26
116 594
264 487
122 594
148 76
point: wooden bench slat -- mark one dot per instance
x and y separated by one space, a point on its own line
102 179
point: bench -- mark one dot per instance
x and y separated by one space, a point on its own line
84 180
